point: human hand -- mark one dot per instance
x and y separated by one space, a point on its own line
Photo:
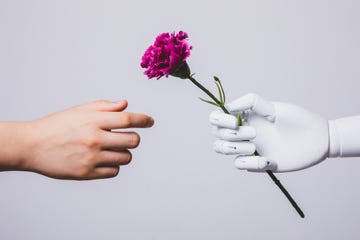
78 143
287 137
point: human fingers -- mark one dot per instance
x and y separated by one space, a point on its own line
254 163
120 140
109 158
105 106
119 120
254 103
103 172
242 148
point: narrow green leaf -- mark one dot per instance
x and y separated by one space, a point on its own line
210 102
220 93
221 87
239 119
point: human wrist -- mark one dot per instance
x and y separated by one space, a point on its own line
28 143
15 145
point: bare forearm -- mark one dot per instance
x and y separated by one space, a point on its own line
14 143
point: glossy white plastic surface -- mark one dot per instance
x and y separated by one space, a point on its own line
345 137
288 137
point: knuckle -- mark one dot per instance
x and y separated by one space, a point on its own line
100 102
86 167
93 141
83 172
126 120
135 139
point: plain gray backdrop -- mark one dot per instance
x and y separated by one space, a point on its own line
56 54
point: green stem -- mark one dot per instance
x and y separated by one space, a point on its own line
286 193
208 93
270 173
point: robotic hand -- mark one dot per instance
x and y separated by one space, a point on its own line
287 137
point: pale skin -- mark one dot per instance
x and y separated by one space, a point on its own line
77 143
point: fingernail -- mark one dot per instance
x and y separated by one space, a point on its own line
151 122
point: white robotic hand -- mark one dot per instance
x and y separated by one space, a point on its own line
287 137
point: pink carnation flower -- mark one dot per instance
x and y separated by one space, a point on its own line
167 56
168 53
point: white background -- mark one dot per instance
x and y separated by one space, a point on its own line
56 54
